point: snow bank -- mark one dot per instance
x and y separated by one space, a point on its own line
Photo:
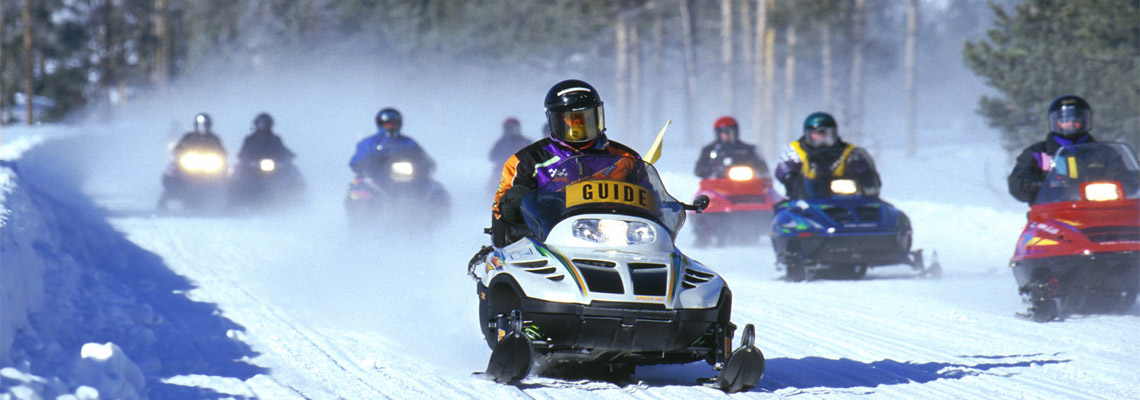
84 312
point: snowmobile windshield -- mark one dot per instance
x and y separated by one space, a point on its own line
1091 172
602 184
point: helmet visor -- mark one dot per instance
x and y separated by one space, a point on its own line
821 136
1070 120
727 133
577 126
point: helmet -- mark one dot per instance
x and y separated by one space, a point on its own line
729 125
202 123
263 122
390 120
1070 116
820 130
574 112
511 126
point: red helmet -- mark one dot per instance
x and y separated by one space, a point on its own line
725 121
727 124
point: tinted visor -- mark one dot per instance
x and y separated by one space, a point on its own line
821 136
577 126
1070 120
730 130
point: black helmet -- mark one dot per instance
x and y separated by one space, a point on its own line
263 122
574 112
202 123
820 130
392 118
1073 113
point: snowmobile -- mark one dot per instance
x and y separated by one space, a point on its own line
388 189
265 183
740 208
598 282
841 227
1080 249
196 179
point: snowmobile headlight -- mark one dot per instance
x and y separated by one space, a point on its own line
402 171
201 162
613 231
1102 191
843 187
740 173
268 165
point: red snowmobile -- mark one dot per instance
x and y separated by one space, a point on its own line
740 209
1080 250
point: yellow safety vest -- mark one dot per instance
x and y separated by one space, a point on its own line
810 173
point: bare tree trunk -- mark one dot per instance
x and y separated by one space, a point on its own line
825 55
162 56
769 93
658 69
855 95
690 73
635 127
747 38
729 94
763 131
29 81
2 65
789 80
622 78
911 39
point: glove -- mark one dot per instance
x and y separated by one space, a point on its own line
1031 186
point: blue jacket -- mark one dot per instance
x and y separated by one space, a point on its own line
376 149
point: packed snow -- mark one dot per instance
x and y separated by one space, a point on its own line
105 298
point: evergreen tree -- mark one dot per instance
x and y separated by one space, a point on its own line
1048 48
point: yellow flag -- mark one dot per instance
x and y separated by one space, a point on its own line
655 151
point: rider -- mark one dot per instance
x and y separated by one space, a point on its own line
201 138
263 143
727 149
1070 119
511 141
577 121
375 151
821 151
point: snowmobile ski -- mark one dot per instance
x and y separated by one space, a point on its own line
745 367
513 354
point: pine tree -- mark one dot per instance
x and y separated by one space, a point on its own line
1048 48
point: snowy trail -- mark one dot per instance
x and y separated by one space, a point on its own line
331 313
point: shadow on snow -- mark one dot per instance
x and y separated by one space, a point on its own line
117 292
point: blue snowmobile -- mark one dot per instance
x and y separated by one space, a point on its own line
840 227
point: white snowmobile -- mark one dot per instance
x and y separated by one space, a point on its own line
599 282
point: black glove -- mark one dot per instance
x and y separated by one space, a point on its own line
1031 186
